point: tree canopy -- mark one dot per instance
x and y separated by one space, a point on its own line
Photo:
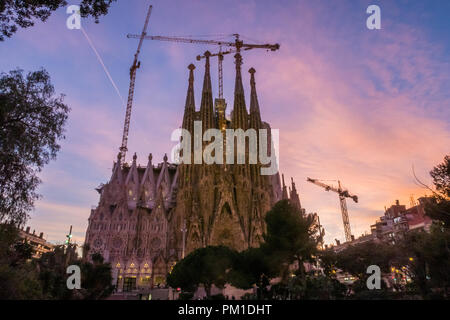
439 206
32 120
291 235
205 266
22 14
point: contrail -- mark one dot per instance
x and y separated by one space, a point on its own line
103 65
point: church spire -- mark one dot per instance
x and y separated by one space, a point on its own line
284 195
206 106
189 109
240 115
294 198
255 115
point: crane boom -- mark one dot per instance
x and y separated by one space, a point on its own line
136 64
343 193
237 43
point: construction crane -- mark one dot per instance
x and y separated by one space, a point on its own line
136 64
219 56
237 45
343 193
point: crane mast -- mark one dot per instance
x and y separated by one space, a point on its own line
343 193
136 64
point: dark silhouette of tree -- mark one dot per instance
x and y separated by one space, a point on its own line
252 267
355 259
439 206
22 14
441 177
427 257
205 266
96 278
32 122
18 276
291 237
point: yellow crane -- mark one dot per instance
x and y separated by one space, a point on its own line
343 193
237 45
136 64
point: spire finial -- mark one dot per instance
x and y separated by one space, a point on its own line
134 157
150 157
165 157
191 68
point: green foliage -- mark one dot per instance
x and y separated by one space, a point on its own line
441 177
249 268
205 266
96 280
32 121
317 287
19 282
328 261
439 206
12 250
45 278
22 14
291 236
96 277
18 279
427 257
356 258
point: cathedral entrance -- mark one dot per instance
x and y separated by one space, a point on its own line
129 284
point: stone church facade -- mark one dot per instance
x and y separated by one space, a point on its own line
151 216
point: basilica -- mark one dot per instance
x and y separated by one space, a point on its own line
150 216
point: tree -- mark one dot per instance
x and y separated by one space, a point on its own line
441 177
205 266
96 278
355 259
32 122
291 236
252 267
427 258
15 14
18 277
439 206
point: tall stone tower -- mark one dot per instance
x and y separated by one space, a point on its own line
223 204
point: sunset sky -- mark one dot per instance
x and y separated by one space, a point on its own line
354 104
